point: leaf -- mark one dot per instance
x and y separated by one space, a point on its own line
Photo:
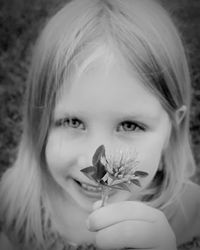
136 182
141 173
94 177
90 172
122 186
100 151
117 181
100 170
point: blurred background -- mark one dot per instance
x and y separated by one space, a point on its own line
20 23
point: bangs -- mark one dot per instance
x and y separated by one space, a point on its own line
109 31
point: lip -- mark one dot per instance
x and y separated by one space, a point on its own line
95 191
88 193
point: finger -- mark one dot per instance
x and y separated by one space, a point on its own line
117 212
137 235
128 234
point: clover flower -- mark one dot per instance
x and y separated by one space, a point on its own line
114 170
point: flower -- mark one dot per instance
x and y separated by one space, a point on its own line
114 170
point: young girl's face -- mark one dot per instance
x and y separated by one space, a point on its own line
104 105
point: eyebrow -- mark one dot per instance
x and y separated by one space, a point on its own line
122 115
140 117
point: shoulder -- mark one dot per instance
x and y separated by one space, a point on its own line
5 244
186 220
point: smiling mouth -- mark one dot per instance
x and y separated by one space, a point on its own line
88 187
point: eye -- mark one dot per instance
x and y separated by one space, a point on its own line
70 122
129 126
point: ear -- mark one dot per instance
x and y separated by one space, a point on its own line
180 114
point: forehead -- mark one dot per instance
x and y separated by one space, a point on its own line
103 89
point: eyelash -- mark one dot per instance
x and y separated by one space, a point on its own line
70 122
132 126
76 123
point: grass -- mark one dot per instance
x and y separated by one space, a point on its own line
21 21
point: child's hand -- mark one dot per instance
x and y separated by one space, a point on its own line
131 224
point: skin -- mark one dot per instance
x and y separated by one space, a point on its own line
107 105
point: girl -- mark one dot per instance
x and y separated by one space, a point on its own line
112 73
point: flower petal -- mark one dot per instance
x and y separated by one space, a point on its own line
105 178
122 186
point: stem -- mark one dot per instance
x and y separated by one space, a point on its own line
104 196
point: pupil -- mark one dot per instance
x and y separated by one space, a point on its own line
74 122
129 125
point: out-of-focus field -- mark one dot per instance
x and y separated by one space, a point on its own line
20 22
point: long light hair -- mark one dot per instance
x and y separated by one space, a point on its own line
142 33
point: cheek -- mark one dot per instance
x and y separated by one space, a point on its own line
58 153
149 158
150 164
151 149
